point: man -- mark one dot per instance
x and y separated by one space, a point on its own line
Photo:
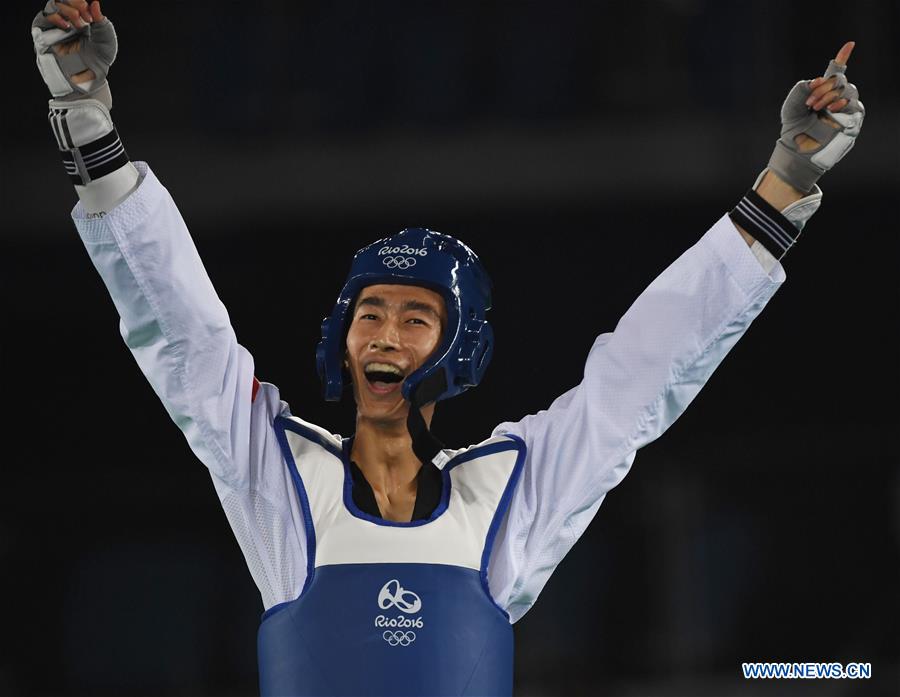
387 563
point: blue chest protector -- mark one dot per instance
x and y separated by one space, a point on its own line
392 608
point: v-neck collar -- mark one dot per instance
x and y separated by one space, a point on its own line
429 485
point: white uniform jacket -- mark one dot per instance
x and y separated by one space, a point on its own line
637 381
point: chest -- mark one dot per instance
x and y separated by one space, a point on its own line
398 509
476 486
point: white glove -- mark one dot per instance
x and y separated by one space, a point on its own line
96 51
79 117
802 169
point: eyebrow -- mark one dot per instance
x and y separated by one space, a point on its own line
378 301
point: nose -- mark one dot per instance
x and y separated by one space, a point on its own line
387 338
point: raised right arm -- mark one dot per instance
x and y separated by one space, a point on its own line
170 316
180 335
174 323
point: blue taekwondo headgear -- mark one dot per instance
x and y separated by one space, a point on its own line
419 257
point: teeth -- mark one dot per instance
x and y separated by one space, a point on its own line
383 368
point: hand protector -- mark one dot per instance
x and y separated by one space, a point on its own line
97 48
802 169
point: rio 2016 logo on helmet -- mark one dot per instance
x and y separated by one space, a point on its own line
419 257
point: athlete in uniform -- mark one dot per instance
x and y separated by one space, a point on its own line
387 548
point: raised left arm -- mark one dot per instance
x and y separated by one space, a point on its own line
640 378
637 381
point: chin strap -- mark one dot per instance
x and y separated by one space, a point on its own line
424 444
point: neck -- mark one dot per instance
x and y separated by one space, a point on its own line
383 452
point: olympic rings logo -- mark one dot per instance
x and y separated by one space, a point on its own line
398 262
399 638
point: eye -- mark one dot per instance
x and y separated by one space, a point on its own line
368 315
417 320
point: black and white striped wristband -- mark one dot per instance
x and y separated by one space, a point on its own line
95 160
87 139
762 220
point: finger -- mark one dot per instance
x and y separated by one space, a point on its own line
95 11
71 14
838 105
80 6
83 9
826 99
844 54
58 21
824 86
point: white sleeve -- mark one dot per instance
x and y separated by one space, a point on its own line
637 381
181 337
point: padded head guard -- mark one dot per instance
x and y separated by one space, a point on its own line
419 257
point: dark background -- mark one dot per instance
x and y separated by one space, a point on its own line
579 148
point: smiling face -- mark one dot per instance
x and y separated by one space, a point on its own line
393 331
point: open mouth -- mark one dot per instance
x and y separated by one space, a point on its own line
383 377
